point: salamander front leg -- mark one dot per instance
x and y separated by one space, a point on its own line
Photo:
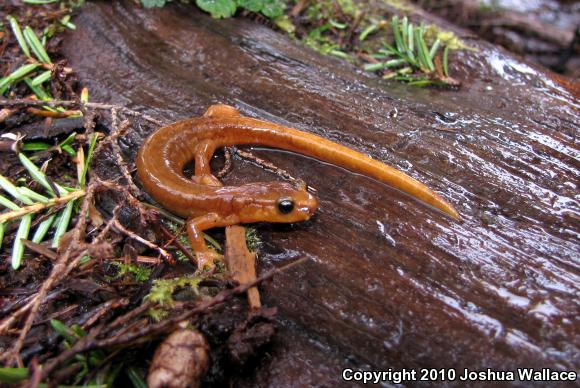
205 256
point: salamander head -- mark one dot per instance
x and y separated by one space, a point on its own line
275 202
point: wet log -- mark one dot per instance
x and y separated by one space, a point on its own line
391 283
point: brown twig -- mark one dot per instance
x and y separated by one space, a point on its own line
129 197
171 323
22 306
75 104
117 225
270 166
76 348
118 130
265 164
148 260
35 373
175 242
105 231
40 249
10 142
57 314
104 309
41 206
367 58
227 164
55 115
130 315
354 25
299 7
5 113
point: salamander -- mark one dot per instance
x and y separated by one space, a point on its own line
206 203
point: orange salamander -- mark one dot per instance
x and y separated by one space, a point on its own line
207 204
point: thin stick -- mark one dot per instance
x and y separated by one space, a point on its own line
130 315
40 249
104 309
21 307
117 225
227 165
5 113
118 130
75 104
174 240
263 163
54 115
103 233
148 260
41 206
269 166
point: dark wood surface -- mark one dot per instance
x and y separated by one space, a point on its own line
391 283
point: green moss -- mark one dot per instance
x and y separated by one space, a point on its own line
252 239
158 314
163 289
138 272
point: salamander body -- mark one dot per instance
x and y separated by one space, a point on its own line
207 204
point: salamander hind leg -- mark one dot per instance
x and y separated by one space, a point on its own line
221 110
206 179
203 154
205 256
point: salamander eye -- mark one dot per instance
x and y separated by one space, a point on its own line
285 205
